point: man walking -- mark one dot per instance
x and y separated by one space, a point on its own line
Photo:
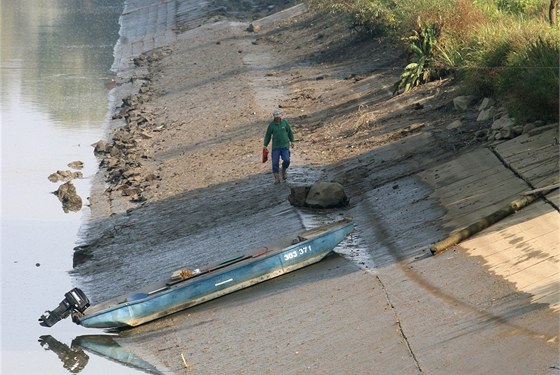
282 138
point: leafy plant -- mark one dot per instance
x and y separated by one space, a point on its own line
422 45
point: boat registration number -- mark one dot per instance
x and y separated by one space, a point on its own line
296 253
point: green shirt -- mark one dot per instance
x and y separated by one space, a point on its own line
281 134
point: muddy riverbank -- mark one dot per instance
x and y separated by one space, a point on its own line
186 186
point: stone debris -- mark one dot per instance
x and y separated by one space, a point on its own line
66 192
121 156
500 126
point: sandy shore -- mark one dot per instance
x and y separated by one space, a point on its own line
383 307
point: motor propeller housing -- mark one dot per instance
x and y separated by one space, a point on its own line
74 300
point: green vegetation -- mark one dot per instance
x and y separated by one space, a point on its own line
508 49
422 44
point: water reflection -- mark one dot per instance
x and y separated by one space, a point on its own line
50 53
67 195
55 57
74 359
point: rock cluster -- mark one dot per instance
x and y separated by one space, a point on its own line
502 126
66 192
122 156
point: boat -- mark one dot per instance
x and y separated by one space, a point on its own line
186 288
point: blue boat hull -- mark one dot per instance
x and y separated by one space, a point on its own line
168 298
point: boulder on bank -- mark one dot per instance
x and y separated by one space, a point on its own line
100 147
319 195
297 195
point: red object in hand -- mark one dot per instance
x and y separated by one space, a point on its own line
265 155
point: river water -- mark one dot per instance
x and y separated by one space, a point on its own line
56 57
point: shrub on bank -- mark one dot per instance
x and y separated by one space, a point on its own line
506 49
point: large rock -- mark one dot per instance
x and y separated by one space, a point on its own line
461 103
502 122
101 147
486 114
297 196
326 195
486 104
507 132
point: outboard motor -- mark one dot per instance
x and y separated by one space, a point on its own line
74 300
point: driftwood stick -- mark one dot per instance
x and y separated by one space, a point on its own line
546 189
185 361
483 223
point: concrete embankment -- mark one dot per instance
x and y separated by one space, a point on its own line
488 305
